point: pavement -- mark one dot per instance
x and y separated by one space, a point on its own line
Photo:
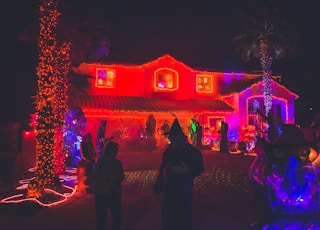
221 199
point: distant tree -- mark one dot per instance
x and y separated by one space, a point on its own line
86 27
267 35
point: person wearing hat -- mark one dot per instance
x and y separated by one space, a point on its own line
181 163
284 178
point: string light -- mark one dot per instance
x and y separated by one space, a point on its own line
51 98
266 62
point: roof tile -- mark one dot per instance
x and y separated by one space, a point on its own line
123 103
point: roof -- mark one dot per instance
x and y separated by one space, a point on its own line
241 85
126 103
245 83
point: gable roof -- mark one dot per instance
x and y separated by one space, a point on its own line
245 83
124 103
240 85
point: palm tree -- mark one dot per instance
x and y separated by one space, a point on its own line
266 36
79 86
56 44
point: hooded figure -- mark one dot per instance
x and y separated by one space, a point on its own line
284 178
181 163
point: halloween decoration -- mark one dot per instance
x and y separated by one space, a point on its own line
285 184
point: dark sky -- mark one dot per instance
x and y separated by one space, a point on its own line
198 33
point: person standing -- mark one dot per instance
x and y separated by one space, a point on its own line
89 157
274 125
199 136
164 130
109 174
101 132
150 132
224 137
181 163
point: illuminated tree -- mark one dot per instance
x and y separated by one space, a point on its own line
46 95
61 103
266 36
55 61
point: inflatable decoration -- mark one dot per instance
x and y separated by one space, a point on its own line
285 182
74 125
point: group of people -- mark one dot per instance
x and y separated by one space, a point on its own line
284 167
181 164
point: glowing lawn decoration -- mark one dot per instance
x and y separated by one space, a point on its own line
20 197
60 197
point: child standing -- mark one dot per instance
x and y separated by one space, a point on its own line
109 174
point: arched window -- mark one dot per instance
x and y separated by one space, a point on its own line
166 79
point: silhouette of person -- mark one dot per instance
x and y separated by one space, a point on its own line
274 125
164 130
181 163
150 132
224 137
199 136
109 174
89 157
151 126
101 137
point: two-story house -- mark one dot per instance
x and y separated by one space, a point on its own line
125 95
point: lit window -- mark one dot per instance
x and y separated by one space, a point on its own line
105 78
165 79
204 83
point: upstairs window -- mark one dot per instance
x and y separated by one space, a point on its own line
166 79
204 83
105 78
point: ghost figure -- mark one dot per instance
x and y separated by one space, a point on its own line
285 182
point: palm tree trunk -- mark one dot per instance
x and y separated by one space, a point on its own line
266 62
61 103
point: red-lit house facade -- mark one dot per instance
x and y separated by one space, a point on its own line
125 95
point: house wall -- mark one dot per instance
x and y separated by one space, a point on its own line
139 81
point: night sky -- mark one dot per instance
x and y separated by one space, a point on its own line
198 33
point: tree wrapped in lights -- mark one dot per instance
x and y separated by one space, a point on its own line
52 95
266 36
61 103
46 94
